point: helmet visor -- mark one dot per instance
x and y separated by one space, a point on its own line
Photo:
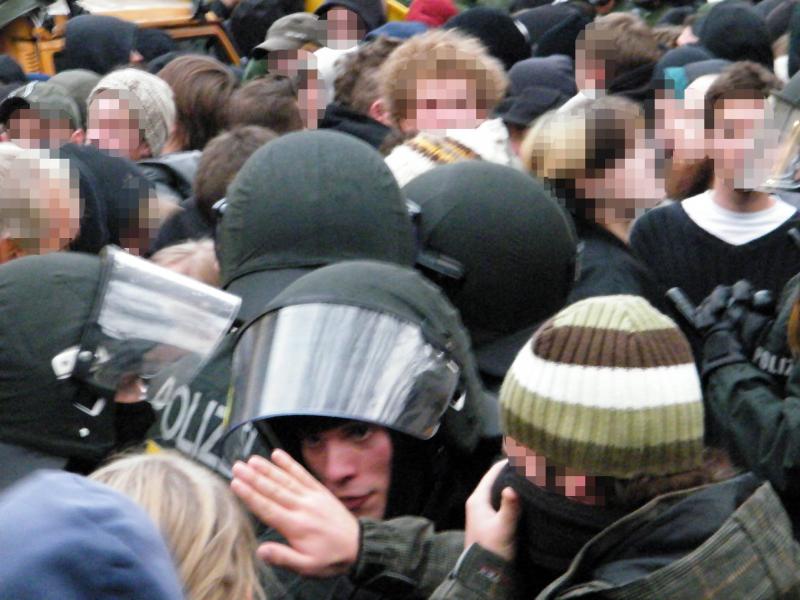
341 361
152 323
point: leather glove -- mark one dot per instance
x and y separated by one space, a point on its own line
751 312
721 345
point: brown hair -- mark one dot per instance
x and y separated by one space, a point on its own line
630 494
667 35
620 42
439 54
202 86
221 160
358 83
741 80
269 101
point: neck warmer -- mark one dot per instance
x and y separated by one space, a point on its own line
551 530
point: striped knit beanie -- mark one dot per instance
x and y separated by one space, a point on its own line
608 387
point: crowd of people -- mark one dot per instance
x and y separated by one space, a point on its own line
490 303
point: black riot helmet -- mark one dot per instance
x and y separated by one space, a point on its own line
76 327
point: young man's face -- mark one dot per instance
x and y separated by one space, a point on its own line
354 461
742 142
113 126
301 66
442 104
30 129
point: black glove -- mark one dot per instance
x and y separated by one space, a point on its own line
751 313
721 345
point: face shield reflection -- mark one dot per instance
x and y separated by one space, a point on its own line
150 322
341 361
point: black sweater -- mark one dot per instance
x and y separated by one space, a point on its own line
681 253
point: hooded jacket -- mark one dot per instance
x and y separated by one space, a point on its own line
98 43
172 174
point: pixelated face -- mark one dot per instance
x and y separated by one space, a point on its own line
33 129
344 28
113 126
442 104
562 480
630 186
39 208
354 461
291 63
743 142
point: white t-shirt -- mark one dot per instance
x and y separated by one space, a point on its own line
735 228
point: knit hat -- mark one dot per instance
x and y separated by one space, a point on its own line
609 387
433 13
152 98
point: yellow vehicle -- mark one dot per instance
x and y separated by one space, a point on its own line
36 48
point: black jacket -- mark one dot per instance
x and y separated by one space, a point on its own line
341 118
608 267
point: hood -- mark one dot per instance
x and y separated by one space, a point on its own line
371 12
118 184
45 302
97 43
82 540
683 541
176 170
345 120
309 199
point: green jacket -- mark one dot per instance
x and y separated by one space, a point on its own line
721 541
401 559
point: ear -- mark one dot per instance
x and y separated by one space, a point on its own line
78 137
377 110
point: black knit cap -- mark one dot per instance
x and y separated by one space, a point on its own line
498 32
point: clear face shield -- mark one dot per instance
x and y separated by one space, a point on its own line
146 322
327 360
786 172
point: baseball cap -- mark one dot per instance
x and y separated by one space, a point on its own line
292 32
42 96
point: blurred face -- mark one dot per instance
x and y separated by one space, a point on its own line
563 480
443 104
344 28
301 66
630 186
743 142
113 126
354 462
30 129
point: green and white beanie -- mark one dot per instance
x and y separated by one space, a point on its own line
608 387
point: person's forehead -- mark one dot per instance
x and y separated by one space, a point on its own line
742 108
435 85
340 13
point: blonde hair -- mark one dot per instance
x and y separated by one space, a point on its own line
195 258
439 54
208 533
562 147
